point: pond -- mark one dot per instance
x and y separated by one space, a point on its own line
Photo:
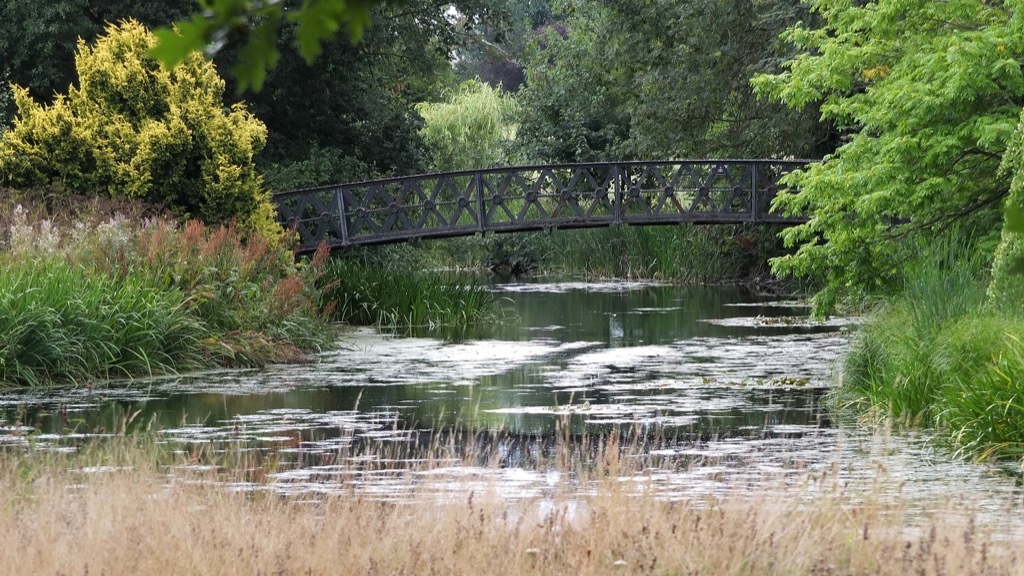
729 384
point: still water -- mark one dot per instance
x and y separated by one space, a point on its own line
730 384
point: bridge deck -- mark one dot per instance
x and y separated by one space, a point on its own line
534 198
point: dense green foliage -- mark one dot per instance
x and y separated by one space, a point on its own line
315 22
6 102
61 323
495 53
347 117
132 130
38 39
659 79
1006 291
934 355
927 94
120 297
311 26
350 116
471 129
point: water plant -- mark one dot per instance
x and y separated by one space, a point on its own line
369 293
688 254
60 322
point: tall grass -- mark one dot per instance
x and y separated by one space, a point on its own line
127 514
59 322
368 293
901 358
688 253
93 299
934 355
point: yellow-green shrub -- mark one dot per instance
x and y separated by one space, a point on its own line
133 129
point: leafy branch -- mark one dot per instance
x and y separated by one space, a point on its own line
257 23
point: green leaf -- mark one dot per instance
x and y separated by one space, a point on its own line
174 45
1014 219
258 55
317 21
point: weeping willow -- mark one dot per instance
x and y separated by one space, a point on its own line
471 129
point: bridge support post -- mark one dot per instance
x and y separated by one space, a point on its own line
478 186
753 191
339 194
617 174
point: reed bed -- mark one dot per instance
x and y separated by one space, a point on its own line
126 513
400 295
688 253
88 298
62 323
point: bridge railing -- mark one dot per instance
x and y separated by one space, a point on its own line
534 198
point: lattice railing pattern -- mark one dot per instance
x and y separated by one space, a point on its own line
534 198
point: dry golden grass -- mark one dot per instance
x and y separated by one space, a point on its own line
139 520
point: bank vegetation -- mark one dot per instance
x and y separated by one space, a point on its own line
117 511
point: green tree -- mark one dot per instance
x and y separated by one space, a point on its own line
573 109
350 115
472 128
132 129
661 78
257 26
38 39
926 94
495 54
6 102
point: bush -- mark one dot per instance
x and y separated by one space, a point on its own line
133 130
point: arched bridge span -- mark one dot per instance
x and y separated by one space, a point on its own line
534 198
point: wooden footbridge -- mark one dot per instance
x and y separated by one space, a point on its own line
534 198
